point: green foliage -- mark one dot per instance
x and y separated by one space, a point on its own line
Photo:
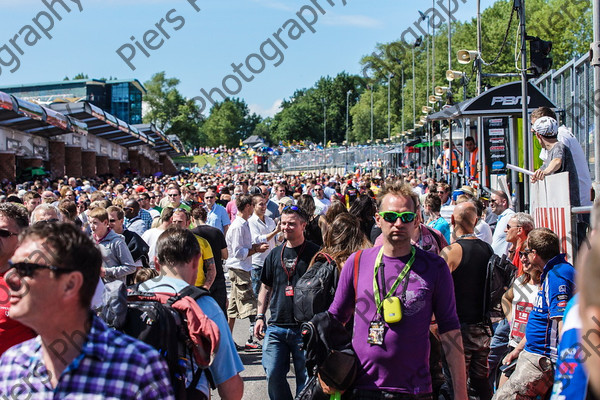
567 23
80 75
302 116
229 123
171 112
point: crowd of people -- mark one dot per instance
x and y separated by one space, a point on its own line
405 259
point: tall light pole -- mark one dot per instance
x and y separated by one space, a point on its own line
433 46
596 66
390 76
423 18
347 138
417 44
371 144
403 130
324 122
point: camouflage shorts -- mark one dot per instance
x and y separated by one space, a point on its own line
532 379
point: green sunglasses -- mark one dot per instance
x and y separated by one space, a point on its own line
392 216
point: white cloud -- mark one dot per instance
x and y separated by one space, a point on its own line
357 21
266 112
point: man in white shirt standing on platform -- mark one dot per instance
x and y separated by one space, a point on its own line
500 206
242 302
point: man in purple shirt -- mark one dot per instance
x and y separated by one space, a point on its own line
398 289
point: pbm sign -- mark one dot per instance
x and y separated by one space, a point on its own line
509 100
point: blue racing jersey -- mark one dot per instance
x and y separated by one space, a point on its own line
556 289
570 378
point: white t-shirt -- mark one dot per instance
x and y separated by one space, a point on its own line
151 237
581 165
522 304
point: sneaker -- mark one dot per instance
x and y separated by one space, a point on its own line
252 346
239 348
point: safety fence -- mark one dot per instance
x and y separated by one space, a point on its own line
570 88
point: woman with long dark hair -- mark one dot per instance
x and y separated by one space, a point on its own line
312 231
364 209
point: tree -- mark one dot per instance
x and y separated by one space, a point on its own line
301 116
171 112
229 123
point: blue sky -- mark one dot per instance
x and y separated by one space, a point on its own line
203 44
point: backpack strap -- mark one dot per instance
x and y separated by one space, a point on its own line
356 264
435 236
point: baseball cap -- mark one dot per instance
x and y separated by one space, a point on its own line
546 126
286 201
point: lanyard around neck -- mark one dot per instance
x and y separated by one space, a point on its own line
378 262
289 273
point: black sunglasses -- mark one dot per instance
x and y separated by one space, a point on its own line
48 221
392 216
25 269
525 252
6 234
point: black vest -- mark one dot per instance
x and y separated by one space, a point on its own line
469 280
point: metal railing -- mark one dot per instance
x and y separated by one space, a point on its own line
571 89
340 158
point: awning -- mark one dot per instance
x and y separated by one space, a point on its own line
396 150
500 100
252 140
161 142
427 144
103 124
22 115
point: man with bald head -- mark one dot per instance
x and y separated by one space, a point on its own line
467 258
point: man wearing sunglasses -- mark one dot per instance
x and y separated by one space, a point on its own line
54 273
537 352
216 214
392 341
13 219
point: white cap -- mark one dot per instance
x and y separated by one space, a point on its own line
546 126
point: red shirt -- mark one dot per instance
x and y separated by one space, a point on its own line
11 331
517 261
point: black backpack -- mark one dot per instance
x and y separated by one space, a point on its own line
500 275
315 290
162 327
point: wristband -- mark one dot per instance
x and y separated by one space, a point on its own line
260 316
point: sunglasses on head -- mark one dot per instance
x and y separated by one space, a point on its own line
392 216
25 269
6 234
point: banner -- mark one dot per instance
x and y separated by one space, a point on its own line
551 208
495 134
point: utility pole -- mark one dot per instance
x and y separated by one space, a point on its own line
524 199
324 122
596 66
390 76
480 138
347 138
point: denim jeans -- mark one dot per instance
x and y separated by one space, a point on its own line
498 348
278 344
256 271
